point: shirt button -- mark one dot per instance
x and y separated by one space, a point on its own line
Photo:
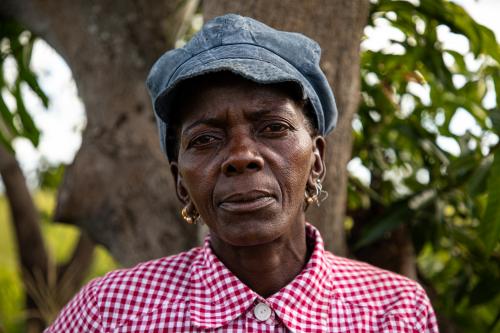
262 312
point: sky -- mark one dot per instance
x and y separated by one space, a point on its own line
62 123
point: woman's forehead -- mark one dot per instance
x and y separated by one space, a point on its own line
217 93
215 86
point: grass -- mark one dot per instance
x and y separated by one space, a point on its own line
60 240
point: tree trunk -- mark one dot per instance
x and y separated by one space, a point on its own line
337 25
119 187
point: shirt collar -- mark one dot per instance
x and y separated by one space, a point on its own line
303 303
218 297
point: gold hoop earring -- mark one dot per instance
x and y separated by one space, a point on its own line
190 218
309 198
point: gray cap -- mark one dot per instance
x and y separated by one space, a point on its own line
249 48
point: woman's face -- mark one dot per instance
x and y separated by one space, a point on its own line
244 160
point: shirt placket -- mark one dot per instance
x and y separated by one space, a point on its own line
261 318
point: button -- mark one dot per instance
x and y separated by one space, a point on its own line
262 312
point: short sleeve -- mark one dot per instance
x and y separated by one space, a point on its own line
425 319
80 315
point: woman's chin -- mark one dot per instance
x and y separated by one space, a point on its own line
250 233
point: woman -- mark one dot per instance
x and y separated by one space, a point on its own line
242 110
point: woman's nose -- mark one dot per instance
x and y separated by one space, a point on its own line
242 157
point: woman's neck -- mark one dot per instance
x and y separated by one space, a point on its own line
265 268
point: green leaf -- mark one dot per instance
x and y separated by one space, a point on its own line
29 129
30 78
7 118
490 223
50 177
495 119
461 67
437 66
478 180
395 6
474 90
496 80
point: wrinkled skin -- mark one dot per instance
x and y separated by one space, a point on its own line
246 155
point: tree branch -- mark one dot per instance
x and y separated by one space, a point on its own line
24 214
71 274
31 248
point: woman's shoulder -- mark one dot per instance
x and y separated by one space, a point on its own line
155 267
389 298
128 293
162 282
163 274
368 286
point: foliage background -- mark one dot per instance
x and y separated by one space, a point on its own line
61 238
446 199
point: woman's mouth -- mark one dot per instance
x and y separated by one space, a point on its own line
246 202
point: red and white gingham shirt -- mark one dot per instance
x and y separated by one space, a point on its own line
194 292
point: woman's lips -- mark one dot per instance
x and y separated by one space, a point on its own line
246 202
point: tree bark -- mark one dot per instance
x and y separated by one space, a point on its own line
337 25
119 187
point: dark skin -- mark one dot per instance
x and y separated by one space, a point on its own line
246 155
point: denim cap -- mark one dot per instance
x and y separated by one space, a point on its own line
248 48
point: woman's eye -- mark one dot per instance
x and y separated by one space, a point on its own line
276 128
203 140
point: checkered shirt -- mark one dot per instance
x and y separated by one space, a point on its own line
194 292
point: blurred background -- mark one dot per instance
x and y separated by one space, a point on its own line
414 168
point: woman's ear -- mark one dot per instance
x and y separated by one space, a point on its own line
180 189
318 168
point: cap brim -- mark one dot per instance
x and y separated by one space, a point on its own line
253 63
